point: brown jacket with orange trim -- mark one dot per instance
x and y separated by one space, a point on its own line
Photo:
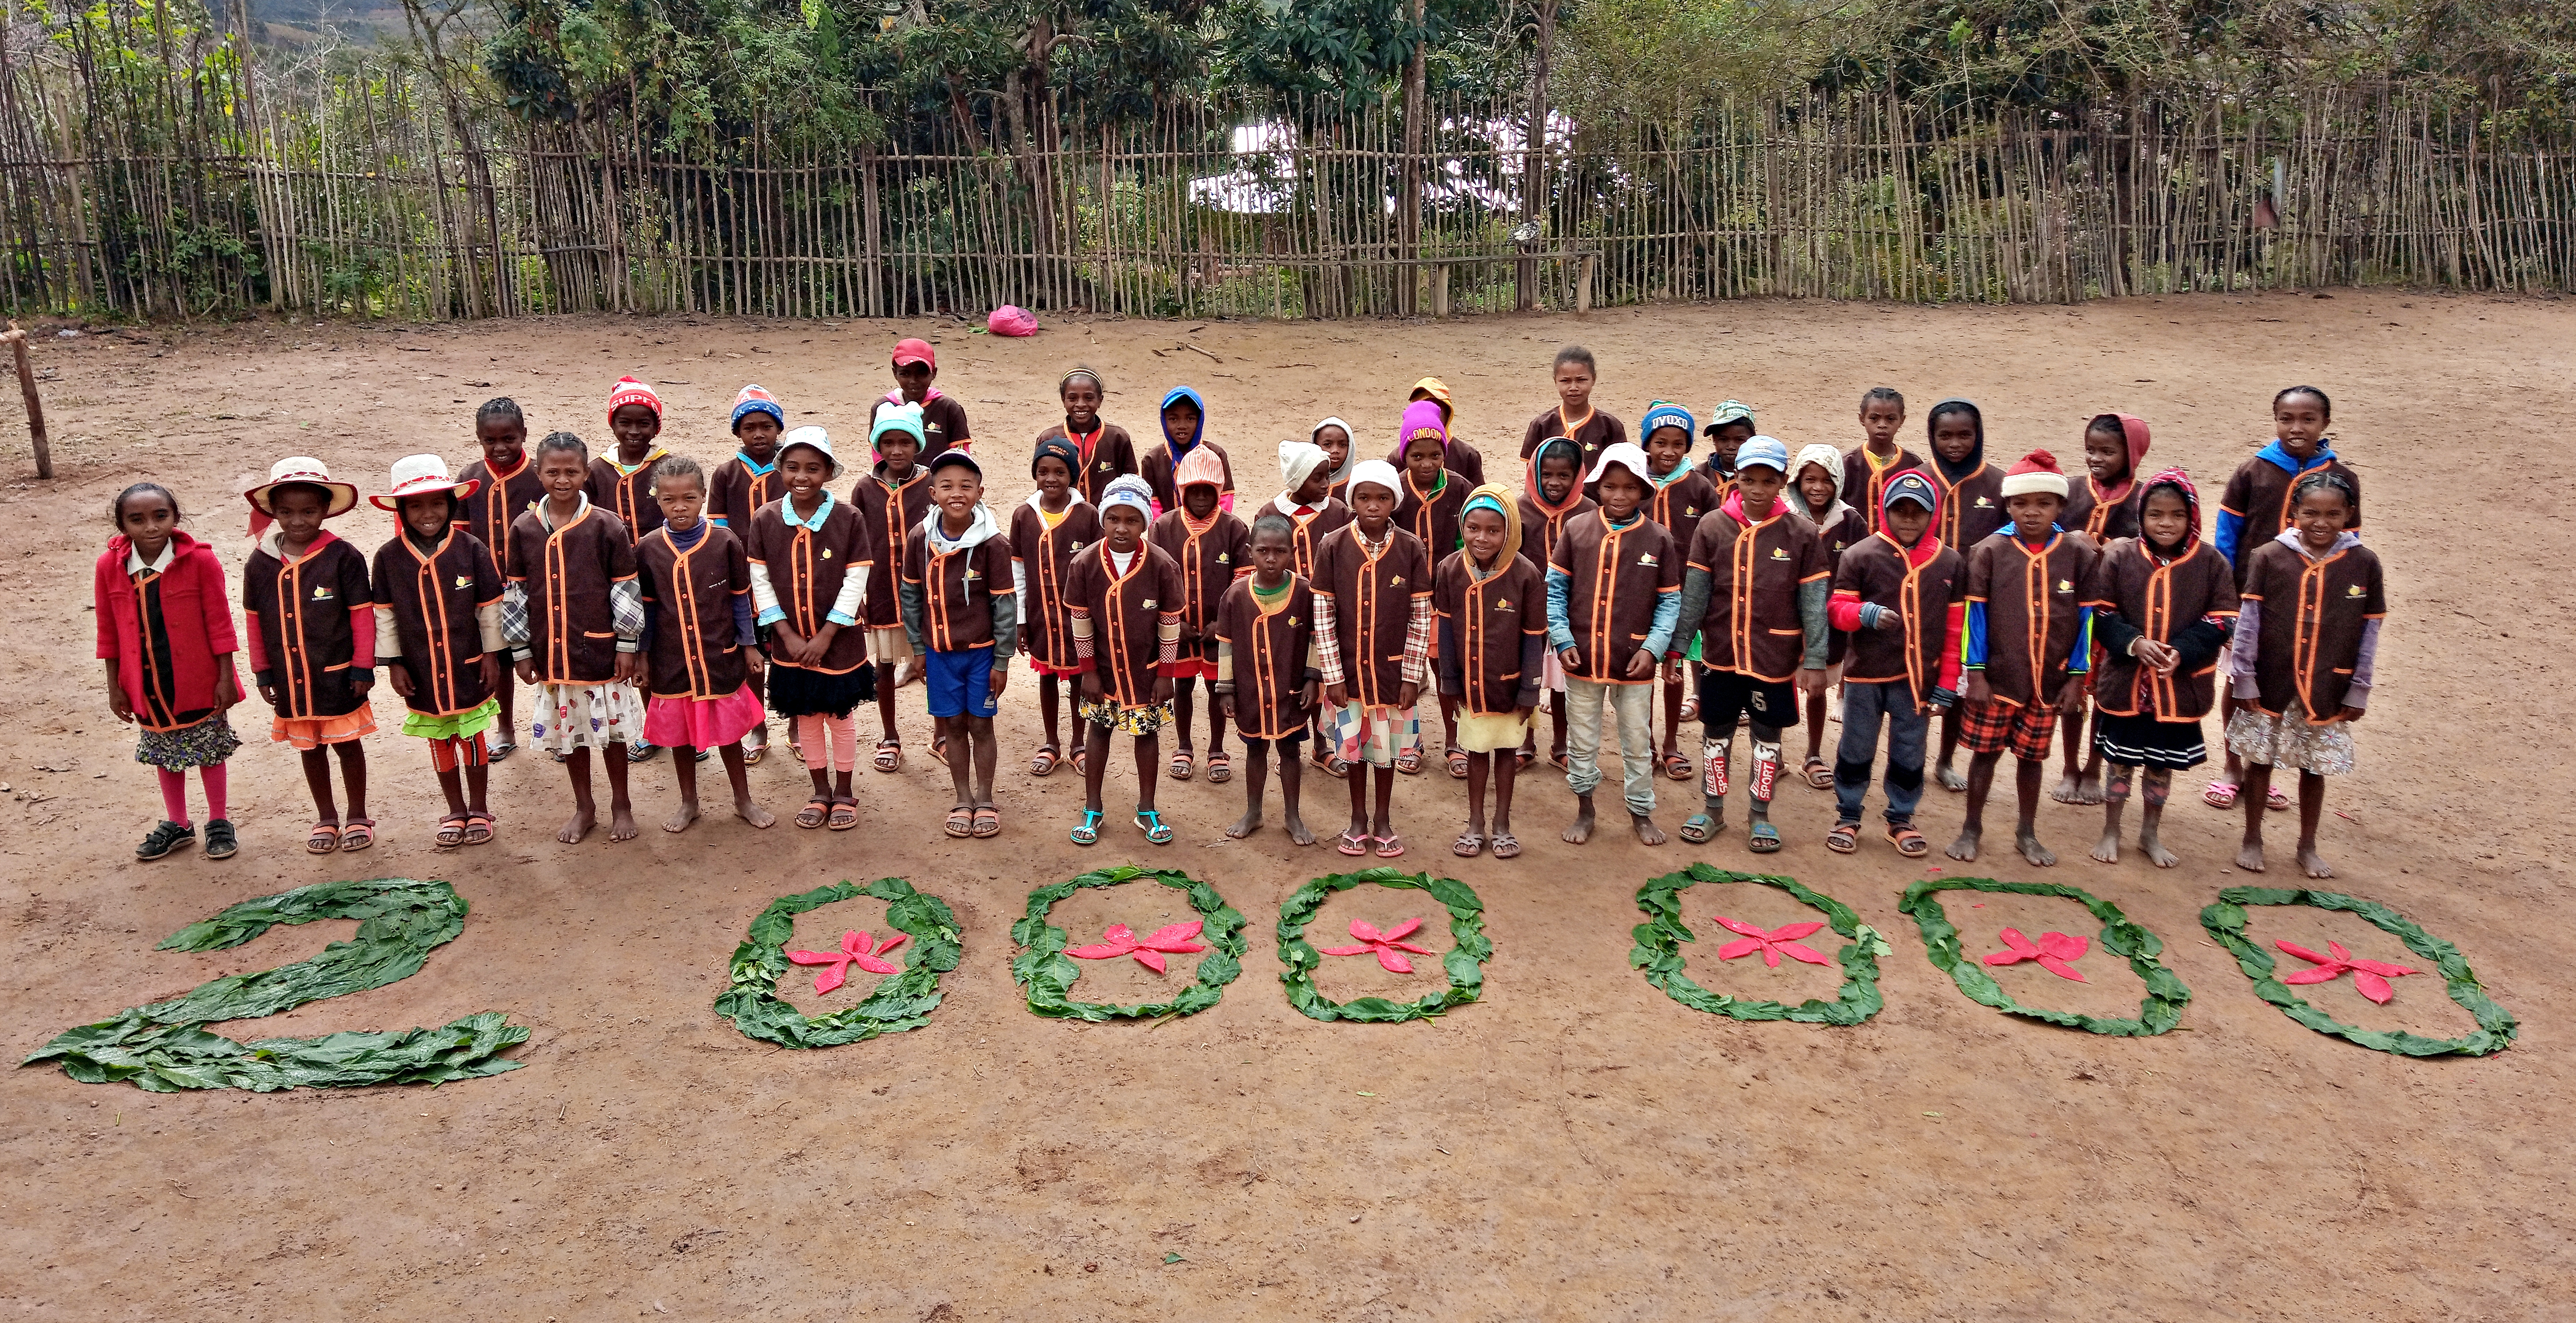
2309 630
1751 625
435 603
567 571
1615 580
1269 657
2160 599
695 651
2034 610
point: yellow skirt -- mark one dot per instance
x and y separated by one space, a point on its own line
1491 732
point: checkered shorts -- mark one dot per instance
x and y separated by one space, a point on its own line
2025 728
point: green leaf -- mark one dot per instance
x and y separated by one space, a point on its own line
1464 963
2160 1011
1047 976
2225 923
899 1002
1658 952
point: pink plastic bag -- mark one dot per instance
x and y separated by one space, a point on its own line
1012 321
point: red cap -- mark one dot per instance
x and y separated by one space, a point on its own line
2037 472
915 351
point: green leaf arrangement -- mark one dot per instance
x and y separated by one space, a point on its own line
899 1001
2225 922
1465 963
1047 974
1659 952
2166 995
165 1048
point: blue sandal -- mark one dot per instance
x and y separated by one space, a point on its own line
1089 832
1765 839
1152 824
1699 827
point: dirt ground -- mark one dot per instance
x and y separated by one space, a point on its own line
1575 1146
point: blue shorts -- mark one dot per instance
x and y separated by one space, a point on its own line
961 682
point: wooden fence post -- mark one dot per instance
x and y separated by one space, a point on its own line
35 407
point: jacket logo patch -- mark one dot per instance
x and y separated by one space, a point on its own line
1396 582
2066 585
1504 605
827 553
1647 558
1225 558
1104 466
972 574
1076 546
1146 605
1690 511
1779 553
321 593
462 581
1984 504
2354 590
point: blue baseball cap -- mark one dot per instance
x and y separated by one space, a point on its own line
1767 451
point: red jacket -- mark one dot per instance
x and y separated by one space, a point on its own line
194 576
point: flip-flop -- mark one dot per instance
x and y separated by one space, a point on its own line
1818 774
1506 846
1689 710
1763 839
1151 823
1678 767
1045 760
1220 768
889 755
1698 827
1557 761
478 828
1183 763
1390 846
1457 764
1409 762
1909 842
451 831
1468 845
1355 846
2220 795
1087 832
961 821
753 753
1521 759
1082 758
497 752
845 815
939 748
988 821
2274 799
323 839
1337 769
815 811
1844 838
357 834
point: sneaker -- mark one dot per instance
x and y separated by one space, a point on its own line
221 843
163 839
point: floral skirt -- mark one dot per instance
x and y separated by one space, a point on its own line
2289 741
587 716
206 744
1109 715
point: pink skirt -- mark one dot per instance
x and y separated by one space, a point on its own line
709 723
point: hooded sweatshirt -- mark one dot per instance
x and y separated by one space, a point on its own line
1429 513
2183 595
1160 465
2105 512
1972 501
2255 508
959 592
1211 553
1463 459
1541 523
1924 584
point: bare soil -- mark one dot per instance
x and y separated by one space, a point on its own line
1576 1146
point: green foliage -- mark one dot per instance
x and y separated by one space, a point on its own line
2166 995
1659 953
1047 974
2225 922
1465 963
897 1003
165 1047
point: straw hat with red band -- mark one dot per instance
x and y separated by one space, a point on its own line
310 472
915 351
421 475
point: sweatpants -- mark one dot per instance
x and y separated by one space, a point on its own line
1635 704
1907 725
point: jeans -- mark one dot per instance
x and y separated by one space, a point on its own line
1907 724
1635 706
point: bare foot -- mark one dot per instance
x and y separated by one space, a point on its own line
577 826
621 822
1581 828
1298 834
2088 788
754 814
1244 826
2068 787
2313 864
2032 852
2108 848
2154 849
1950 780
1647 832
1964 849
680 820
2250 857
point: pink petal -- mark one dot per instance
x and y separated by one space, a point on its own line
1408 946
1770 955
2304 953
1169 936
812 957
2021 945
1366 931
2060 968
1806 953
853 943
1118 933
1362 949
873 965
1401 929
1738 926
1393 963
1793 931
892 941
2322 974
2372 986
2336 950
1149 960
1103 952
2006 958
830 978
2383 968
1742 946
2065 947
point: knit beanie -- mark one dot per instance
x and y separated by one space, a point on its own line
2036 473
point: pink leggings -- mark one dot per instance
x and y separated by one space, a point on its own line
811 729
174 792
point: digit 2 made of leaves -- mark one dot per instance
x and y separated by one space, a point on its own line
2166 995
1464 965
164 1047
2226 923
1659 952
900 1001
1045 967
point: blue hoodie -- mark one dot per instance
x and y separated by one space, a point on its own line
2231 525
1178 448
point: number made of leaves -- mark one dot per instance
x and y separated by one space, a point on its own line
1464 965
2166 995
164 1047
1659 951
2225 922
900 1001
1045 968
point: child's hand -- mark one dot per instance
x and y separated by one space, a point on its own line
2349 714
527 670
1569 657
630 667
1407 694
1308 693
2161 657
116 701
1337 696
1162 690
1089 688
753 663
227 689
1225 706
2070 697
268 694
1672 673
1978 690
491 674
1811 680
1001 676
361 681
1641 666
1890 618
399 676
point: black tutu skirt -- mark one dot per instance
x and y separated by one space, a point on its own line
2143 741
795 691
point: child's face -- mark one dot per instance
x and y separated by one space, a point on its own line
1122 525
1879 420
1272 553
1484 530
1317 486
1199 498
1731 438
1665 447
1954 437
562 472
1621 492
1181 421
915 379
1759 484
635 426
1555 477
759 436
681 500
897 450
504 440
2320 516
1817 487
2165 518
1422 459
1081 405
147 520
805 471
2300 421
1337 447
2106 455
428 516
956 489
298 511
1907 521
1373 504
2034 513
1574 385
1054 479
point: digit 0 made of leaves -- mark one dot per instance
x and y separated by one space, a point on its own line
2225 922
1659 951
164 1047
902 1000
1464 965
1045 967
2166 995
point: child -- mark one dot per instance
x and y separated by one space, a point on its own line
622 483
2031 595
2308 642
1123 596
1266 674
506 487
2102 505
701 648
1462 458
1333 436
1428 509
1681 497
1897 593
1493 640
312 619
891 498
1047 531
2255 508
1878 458
1552 498
741 486
1305 499
1184 431
2171 606
165 632
1373 622
574 619
943 419
439 636
1613 597
1814 496
960 612
811 558
1971 510
1727 430
1212 547
1574 418
1756 593
1101 449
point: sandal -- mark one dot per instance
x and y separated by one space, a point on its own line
1818 774
2274 799
1557 761
2219 795
1151 823
1844 838
497 752
323 839
1355 846
815 810
1523 758
1678 767
1909 842
1220 768
889 755
1390 846
1698 827
1047 757
845 815
1088 831
939 748
1468 845
1082 759
358 834
1457 764
1689 710
1506 846
170 836
1337 768
221 843
961 821
478 828
1182 764
451 831
1763 839
753 753
988 821
1409 762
